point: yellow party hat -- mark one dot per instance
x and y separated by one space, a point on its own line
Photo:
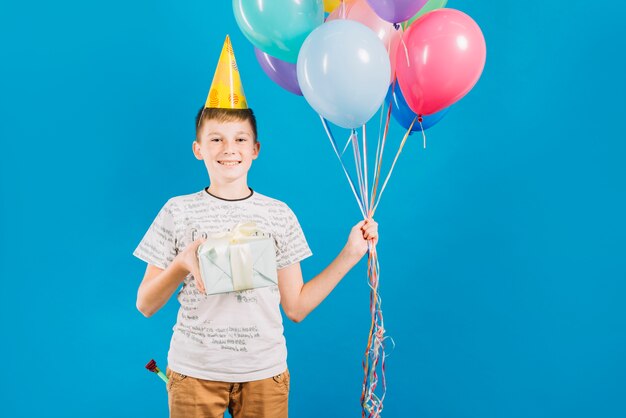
226 90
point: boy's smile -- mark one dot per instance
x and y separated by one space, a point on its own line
227 149
229 163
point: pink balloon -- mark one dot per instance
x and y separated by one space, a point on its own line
360 11
341 11
440 59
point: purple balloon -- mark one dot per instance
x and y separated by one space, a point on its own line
396 11
281 72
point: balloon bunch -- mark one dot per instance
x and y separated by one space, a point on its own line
414 58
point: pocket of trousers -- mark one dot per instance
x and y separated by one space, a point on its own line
283 380
174 378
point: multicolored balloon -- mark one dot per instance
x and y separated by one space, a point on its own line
396 11
281 72
403 114
330 5
278 27
360 11
428 7
442 57
344 72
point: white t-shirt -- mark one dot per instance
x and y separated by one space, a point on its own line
230 337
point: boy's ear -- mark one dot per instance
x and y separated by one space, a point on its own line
195 147
257 149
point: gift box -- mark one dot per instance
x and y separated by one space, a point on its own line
240 259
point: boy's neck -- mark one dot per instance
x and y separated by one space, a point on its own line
229 191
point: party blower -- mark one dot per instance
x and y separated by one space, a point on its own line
152 366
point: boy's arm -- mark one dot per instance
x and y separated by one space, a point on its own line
158 285
299 299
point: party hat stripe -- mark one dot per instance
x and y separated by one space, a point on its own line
213 99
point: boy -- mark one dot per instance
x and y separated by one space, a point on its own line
228 350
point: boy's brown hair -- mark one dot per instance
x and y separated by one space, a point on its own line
225 115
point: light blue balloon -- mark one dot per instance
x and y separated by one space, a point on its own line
278 27
344 72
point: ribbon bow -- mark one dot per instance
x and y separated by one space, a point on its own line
232 245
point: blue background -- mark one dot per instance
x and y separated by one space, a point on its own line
502 244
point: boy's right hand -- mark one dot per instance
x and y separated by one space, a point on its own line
188 260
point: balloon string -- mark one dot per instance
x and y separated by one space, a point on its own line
378 151
361 167
347 144
374 381
365 173
357 163
348 176
419 119
374 359
379 160
406 135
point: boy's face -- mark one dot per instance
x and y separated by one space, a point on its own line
227 149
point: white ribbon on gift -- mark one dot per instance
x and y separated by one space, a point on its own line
229 245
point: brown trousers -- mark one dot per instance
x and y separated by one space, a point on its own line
189 397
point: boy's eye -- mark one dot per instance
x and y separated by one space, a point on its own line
242 139
214 139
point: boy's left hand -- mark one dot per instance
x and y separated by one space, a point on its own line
361 233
